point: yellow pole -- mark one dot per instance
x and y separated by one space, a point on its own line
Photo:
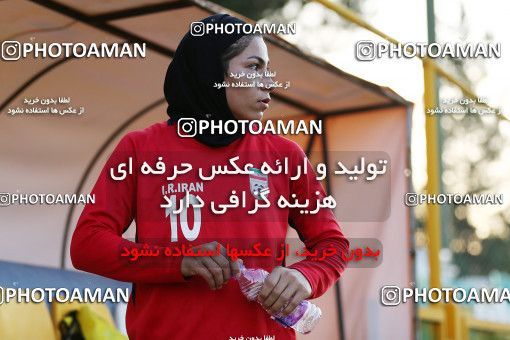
433 222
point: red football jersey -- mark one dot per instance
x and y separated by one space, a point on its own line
163 304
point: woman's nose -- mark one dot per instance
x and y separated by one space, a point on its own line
268 84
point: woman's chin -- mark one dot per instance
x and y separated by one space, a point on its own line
253 116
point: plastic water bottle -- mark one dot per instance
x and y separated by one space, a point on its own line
302 319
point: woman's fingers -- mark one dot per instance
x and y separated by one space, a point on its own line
214 269
235 267
294 302
267 293
224 264
220 268
283 290
274 301
203 271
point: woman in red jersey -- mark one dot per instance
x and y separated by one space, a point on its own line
187 297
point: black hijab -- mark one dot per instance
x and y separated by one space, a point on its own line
189 82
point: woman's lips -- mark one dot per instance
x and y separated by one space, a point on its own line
264 103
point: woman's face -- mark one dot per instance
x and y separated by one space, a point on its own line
249 102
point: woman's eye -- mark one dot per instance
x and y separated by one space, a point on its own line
254 66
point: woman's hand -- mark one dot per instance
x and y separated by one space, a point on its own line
284 287
216 270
